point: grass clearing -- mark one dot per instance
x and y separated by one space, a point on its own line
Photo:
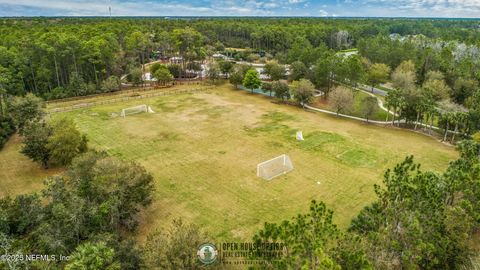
349 50
19 175
203 148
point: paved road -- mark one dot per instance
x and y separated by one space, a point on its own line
377 91
380 102
367 88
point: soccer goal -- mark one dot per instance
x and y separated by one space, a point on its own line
274 167
136 109
300 136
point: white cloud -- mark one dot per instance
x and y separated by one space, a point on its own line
296 1
431 8
323 13
421 8
99 8
142 7
153 7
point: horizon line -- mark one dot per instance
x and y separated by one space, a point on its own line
234 16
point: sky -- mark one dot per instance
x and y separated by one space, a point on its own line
315 8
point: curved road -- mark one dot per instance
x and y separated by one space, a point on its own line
373 90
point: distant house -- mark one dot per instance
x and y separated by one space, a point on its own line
260 71
219 56
148 77
347 53
176 60
396 36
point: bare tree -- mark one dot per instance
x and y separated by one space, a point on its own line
341 99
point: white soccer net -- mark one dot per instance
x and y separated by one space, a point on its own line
274 167
136 109
300 136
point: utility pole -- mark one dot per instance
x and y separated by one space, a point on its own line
110 8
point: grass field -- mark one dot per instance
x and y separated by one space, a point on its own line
19 175
203 150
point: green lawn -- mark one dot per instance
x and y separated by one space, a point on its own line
383 88
19 175
203 150
349 50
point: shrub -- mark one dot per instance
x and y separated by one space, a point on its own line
7 128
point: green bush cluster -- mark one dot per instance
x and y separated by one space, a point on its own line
7 128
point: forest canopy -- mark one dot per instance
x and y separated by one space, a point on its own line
59 57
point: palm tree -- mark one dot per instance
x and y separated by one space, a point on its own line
459 119
451 114
425 107
394 100
447 118
430 114
420 107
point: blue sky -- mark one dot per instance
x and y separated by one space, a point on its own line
317 8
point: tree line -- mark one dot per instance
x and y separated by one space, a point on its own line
66 57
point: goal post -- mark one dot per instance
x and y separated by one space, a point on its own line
136 109
274 167
299 136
